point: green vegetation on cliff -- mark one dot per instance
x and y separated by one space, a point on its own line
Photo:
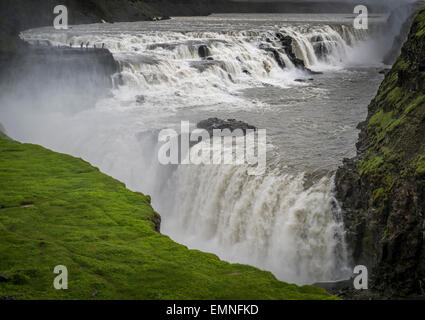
395 129
59 210
383 189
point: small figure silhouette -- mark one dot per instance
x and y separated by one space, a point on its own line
87 45
82 45
103 46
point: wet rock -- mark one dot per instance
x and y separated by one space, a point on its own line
215 123
204 52
276 57
285 40
286 48
156 219
140 99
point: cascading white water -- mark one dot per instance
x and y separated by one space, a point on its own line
171 58
271 221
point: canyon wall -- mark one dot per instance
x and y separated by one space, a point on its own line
382 190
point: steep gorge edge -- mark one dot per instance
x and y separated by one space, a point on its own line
382 189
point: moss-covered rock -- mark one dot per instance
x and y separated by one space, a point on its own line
382 189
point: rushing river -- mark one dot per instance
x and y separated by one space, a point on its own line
287 220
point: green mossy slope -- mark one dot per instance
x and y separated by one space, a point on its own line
59 210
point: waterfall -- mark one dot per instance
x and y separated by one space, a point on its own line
270 221
281 221
237 58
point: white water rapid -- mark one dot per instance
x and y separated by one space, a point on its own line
287 220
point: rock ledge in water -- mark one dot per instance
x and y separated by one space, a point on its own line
215 123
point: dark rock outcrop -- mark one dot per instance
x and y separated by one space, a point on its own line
204 52
382 190
276 56
140 99
286 42
215 123
286 48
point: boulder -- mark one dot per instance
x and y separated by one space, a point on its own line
285 40
215 123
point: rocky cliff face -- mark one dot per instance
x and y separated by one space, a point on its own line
382 190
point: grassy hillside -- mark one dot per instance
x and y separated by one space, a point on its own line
59 210
383 189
